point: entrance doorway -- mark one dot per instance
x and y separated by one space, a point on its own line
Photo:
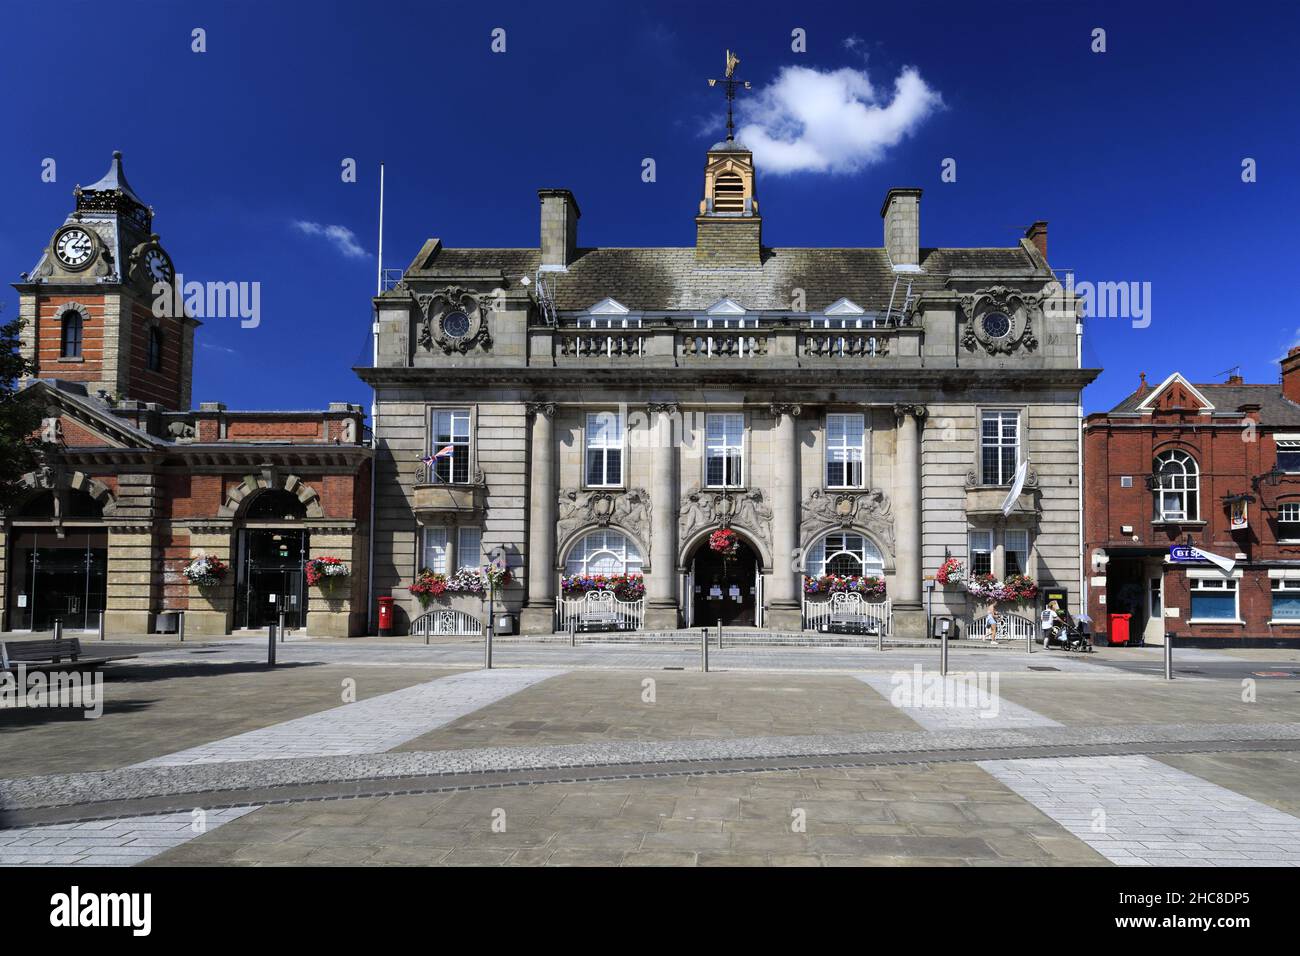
272 578
57 577
724 592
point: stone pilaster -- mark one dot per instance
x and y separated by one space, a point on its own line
538 615
331 604
661 583
211 609
909 613
784 611
131 600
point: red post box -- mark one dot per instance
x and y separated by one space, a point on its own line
385 616
1119 628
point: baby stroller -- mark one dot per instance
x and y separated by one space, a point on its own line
1066 635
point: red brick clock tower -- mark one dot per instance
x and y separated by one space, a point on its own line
89 302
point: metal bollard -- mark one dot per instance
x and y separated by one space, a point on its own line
101 625
943 653
573 632
1029 641
880 637
1169 656
487 645
180 625
270 645
704 649
719 635
281 627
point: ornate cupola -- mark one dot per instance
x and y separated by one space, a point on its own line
728 229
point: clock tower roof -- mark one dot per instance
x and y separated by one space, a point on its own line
114 181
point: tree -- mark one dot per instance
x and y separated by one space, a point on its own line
20 421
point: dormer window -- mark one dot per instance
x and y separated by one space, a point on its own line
729 193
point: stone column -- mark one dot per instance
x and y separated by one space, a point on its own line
909 612
784 612
538 615
661 582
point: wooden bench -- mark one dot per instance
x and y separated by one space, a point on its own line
49 655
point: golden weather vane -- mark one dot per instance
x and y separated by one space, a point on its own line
730 85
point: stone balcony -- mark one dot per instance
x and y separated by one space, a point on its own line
439 500
985 501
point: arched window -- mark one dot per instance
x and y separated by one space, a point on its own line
1176 487
155 357
604 552
276 505
844 553
70 340
728 193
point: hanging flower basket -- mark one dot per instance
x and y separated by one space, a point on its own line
495 576
950 572
428 586
205 570
626 587
1016 589
466 581
725 542
322 569
869 586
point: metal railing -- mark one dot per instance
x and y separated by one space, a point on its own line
599 610
849 611
446 622
1014 627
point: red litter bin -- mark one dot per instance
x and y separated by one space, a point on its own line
1119 628
385 616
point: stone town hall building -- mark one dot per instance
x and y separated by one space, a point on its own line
604 410
140 483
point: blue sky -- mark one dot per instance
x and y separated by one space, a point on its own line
1133 155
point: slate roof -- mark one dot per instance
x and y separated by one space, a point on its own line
668 279
1275 409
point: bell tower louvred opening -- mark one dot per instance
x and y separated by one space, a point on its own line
728 229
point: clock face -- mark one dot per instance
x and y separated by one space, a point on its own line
158 266
455 324
74 247
996 324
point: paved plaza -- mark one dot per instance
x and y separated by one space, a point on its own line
381 753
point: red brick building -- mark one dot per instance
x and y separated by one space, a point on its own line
1193 518
142 484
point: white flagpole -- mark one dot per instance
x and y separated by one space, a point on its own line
374 412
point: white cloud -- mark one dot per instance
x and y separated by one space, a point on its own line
831 122
344 239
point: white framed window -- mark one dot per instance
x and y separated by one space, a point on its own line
1288 521
450 434
436 553
844 553
981 552
1288 455
469 548
1177 482
606 444
604 552
1214 599
1286 600
846 450
999 445
724 444
1016 550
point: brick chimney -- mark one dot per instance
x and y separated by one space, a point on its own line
902 214
1037 234
1291 374
1142 383
560 215
1235 379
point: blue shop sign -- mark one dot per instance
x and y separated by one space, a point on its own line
1184 554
